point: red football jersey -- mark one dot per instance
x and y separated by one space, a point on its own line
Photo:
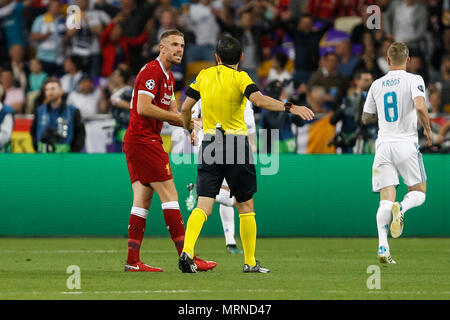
158 83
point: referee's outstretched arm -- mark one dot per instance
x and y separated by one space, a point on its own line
268 103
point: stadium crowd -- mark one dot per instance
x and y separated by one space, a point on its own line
324 54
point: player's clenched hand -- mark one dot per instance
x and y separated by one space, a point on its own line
429 136
303 112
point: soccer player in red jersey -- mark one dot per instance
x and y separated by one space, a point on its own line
148 163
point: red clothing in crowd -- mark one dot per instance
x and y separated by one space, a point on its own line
109 48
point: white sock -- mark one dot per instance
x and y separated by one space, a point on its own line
224 198
384 217
227 217
412 199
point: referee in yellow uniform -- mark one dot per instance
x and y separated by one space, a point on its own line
224 90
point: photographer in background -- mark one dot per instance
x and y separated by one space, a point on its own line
355 137
6 126
57 127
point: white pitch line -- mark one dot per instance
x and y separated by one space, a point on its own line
120 292
154 291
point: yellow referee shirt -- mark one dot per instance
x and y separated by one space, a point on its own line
223 91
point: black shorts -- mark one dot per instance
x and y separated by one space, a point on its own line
229 157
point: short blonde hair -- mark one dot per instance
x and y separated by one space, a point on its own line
171 32
398 53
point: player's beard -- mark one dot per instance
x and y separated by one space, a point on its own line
173 60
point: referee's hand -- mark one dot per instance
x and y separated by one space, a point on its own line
303 112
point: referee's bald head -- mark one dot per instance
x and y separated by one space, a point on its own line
229 50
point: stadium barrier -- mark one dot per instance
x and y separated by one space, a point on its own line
311 195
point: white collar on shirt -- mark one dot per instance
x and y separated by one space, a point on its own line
163 69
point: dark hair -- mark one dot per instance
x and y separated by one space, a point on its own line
282 59
171 32
76 61
124 74
359 72
229 50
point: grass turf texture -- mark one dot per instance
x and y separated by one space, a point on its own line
302 268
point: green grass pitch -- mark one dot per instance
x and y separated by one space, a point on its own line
302 268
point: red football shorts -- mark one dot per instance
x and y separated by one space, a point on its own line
147 162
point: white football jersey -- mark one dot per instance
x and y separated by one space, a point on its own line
391 96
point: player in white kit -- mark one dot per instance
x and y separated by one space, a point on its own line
397 101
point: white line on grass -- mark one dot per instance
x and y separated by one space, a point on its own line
121 292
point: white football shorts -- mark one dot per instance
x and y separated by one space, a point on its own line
397 158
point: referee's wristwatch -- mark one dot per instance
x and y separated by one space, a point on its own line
287 107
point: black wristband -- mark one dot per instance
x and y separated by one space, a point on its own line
287 107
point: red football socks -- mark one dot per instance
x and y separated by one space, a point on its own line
136 229
174 223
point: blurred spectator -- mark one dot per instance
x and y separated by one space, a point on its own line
86 98
349 8
12 22
405 21
37 75
306 43
360 29
6 126
347 60
133 17
441 82
36 79
279 121
279 73
249 35
18 67
442 50
417 65
435 25
315 136
120 101
200 19
116 47
325 9
3 46
442 135
165 22
12 96
57 126
354 137
328 77
48 32
434 97
85 40
381 60
298 7
72 74
368 59
316 99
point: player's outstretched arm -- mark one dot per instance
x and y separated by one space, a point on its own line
268 103
422 114
147 109
186 112
368 118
